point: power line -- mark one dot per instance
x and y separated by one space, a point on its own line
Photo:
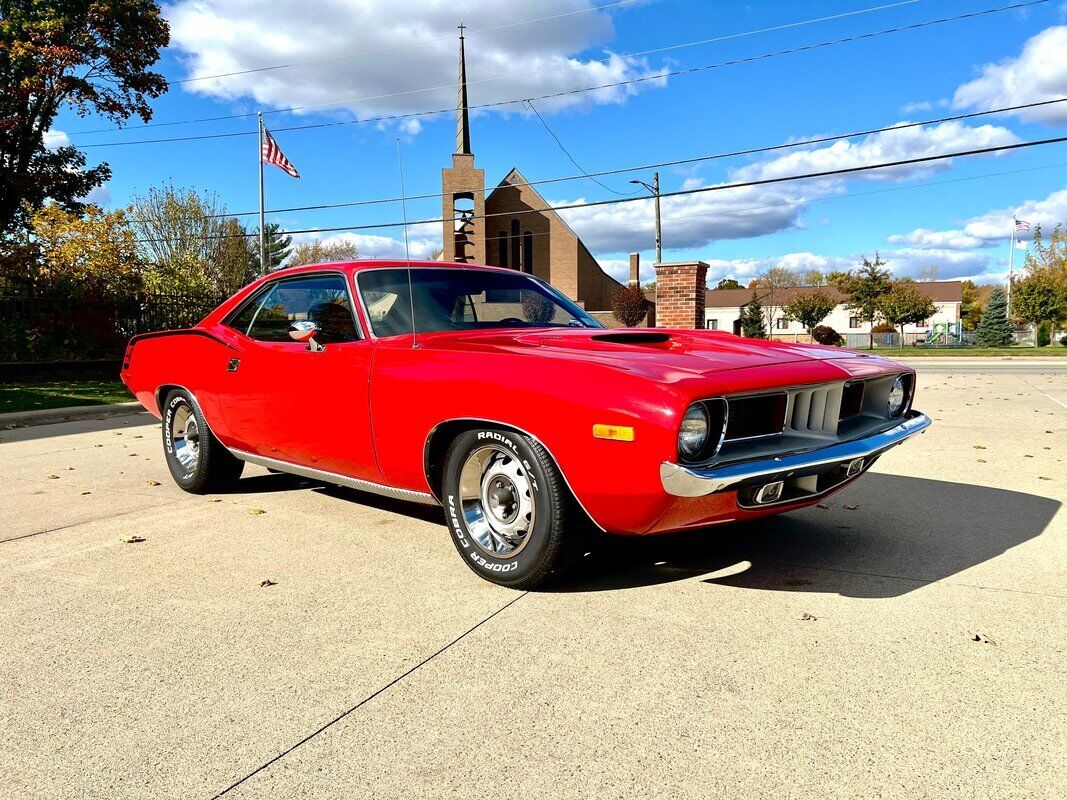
662 75
675 162
567 153
686 192
481 80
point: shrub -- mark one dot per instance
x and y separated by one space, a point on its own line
824 334
884 327
1044 334
1063 340
629 305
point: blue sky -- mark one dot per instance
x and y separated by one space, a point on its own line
958 226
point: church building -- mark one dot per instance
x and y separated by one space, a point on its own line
513 226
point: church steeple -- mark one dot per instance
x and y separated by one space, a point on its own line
463 127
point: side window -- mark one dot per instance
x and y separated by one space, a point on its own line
242 319
323 299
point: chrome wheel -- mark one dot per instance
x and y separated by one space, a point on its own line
497 500
185 437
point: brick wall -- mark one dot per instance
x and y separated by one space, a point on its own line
680 294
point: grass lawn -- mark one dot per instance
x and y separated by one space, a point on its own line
36 395
950 352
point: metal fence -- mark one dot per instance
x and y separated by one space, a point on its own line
60 328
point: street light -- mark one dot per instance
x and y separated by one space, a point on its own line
654 188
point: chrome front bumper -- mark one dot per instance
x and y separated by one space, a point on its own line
684 481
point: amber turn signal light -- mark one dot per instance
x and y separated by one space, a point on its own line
620 433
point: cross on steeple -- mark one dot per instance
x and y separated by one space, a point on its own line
463 129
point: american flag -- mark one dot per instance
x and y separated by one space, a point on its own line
1022 226
272 154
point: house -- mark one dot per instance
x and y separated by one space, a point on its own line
723 307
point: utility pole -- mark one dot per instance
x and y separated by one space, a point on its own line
654 188
262 229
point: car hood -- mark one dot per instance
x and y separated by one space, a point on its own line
661 353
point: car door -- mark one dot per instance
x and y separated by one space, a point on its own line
297 402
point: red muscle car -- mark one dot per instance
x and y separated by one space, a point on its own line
488 392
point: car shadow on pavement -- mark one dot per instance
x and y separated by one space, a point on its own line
897 534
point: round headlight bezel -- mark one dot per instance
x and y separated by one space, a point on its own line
689 448
897 401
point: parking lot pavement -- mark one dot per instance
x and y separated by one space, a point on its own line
821 654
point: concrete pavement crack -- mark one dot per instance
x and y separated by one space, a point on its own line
366 699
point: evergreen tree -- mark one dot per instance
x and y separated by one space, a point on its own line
994 329
279 246
752 319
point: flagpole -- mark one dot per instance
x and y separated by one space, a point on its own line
262 229
1011 262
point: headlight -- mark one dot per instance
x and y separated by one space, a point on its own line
693 434
897 396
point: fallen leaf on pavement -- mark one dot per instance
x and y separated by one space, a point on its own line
821 505
152 483
979 637
851 507
806 617
53 477
981 461
268 582
132 539
215 500
256 511
979 447
1043 478
84 493
97 445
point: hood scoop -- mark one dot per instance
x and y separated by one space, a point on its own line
632 337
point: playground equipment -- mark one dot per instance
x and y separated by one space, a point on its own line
942 332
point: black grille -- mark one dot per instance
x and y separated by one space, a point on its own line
762 415
851 400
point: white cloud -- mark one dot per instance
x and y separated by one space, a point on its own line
1039 72
219 36
696 220
54 139
992 227
893 145
98 196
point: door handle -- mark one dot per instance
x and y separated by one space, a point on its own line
233 365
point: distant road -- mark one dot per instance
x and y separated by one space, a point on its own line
990 366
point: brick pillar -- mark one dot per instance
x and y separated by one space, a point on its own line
635 269
680 294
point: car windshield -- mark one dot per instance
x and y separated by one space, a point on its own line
454 299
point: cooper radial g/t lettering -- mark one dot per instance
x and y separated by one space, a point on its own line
488 390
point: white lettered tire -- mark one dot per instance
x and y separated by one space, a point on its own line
198 462
508 509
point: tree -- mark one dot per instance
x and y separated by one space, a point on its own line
813 277
810 308
905 303
974 298
180 233
864 287
650 287
1037 298
92 254
236 258
279 246
629 305
773 286
319 252
1051 260
994 330
752 324
728 283
91 56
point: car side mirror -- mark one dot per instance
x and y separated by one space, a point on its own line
304 330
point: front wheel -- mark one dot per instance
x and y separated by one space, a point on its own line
510 513
198 462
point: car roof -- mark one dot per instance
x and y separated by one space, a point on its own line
378 263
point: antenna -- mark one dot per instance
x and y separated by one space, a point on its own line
407 246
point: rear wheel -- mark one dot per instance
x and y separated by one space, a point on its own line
510 513
198 462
